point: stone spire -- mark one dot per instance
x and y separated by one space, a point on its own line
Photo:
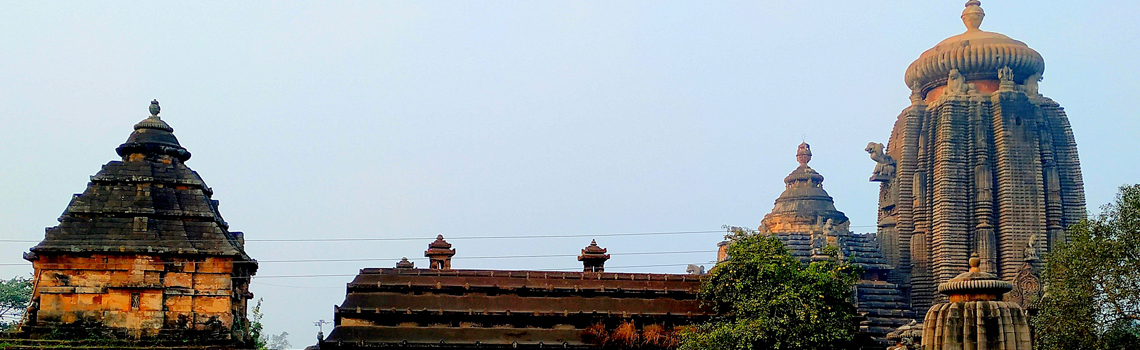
982 163
593 257
803 202
975 316
439 254
148 203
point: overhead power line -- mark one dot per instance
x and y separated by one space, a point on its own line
384 239
535 256
255 278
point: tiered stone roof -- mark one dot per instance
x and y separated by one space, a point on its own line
804 201
156 206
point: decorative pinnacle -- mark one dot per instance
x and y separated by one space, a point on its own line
974 262
803 154
973 14
154 107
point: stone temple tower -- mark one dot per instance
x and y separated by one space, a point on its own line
979 163
142 253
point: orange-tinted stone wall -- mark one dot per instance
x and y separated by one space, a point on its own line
139 295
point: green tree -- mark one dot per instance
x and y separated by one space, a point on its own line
14 296
279 341
1092 283
767 299
260 341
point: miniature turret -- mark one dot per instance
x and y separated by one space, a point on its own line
593 257
976 317
439 254
405 264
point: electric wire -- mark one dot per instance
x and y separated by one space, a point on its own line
383 239
535 256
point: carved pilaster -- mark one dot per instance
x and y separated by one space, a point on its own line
1021 189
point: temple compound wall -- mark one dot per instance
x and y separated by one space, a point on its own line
142 253
440 307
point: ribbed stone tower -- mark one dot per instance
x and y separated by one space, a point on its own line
805 219
142 253
980 162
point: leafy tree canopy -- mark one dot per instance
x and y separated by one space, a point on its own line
767 299
1093 282
14 296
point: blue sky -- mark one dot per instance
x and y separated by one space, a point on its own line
410 119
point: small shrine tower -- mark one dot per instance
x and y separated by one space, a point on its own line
143 253
593 257
975 316
439 254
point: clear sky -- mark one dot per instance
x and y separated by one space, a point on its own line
336 119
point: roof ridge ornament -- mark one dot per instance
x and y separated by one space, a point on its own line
803 154
154 108
973 15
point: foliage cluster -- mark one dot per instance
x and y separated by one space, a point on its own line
261 340
15 294
1093 282
767 299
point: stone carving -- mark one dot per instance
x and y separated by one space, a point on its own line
1027 285
693 269
907 337
885 164
1005 77
956 84
916 97
1030 87
1031 250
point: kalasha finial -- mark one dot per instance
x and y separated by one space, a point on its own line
974 262
154 107
972 16
803 154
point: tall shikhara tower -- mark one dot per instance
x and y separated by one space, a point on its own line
980 163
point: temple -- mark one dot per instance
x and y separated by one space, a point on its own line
142 253
805 219
441 307
980 162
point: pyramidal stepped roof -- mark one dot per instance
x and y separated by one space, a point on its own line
149 202
803 201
